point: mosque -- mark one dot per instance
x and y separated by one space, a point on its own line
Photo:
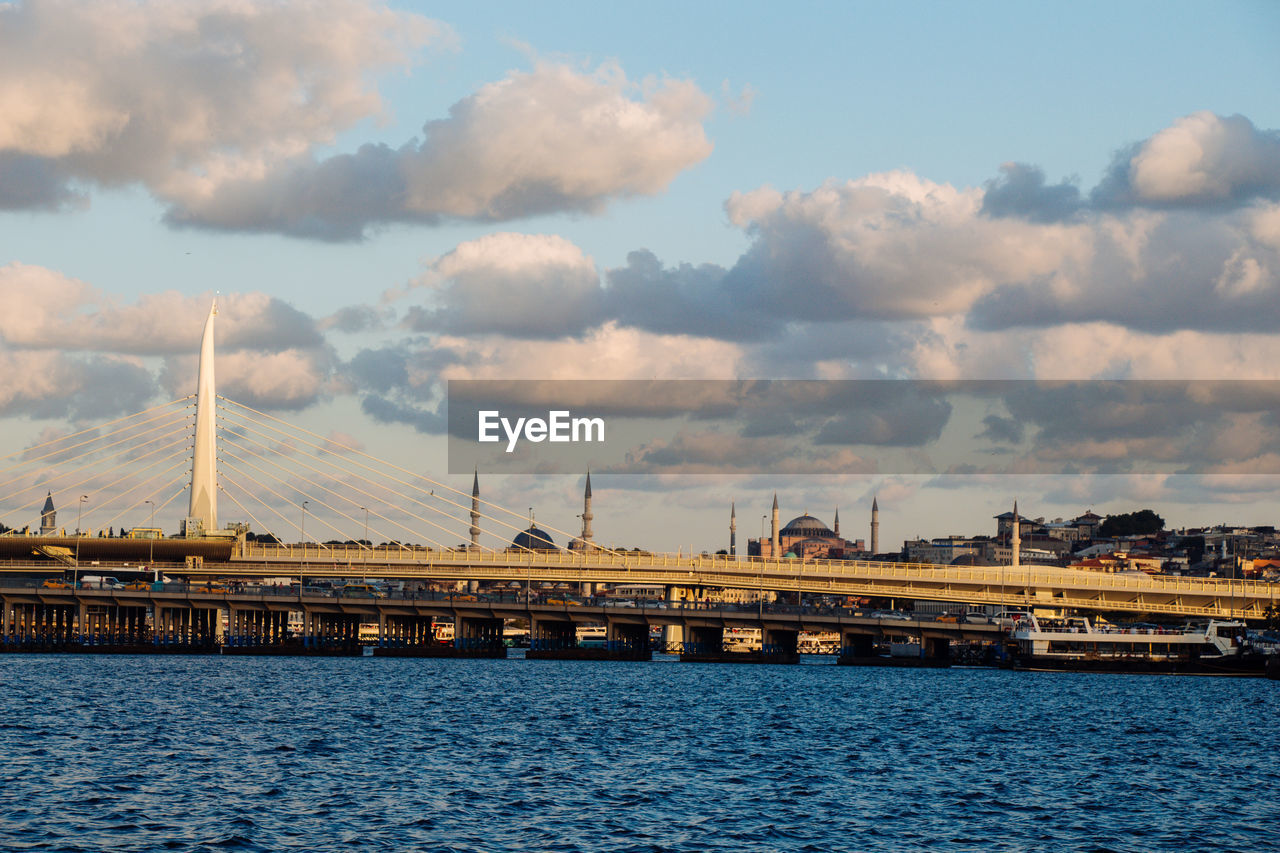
534 538
808 538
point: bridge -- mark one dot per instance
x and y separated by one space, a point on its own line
280 476
254 618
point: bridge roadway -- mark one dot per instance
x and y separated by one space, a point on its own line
1028 585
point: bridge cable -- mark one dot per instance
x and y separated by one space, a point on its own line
92 452
182 438
377 498
127 475
412 474
88 430
419 489
322 503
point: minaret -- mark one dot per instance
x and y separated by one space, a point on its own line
587 516
837 523
733 529
774 551
204 474
475 510
1016 539
875 526
48 517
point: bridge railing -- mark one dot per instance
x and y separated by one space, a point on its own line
740 571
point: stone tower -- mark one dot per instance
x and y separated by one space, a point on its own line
875 526
475 510
587 516
48 517
733 529
774 541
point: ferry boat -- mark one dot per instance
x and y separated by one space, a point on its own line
1075 643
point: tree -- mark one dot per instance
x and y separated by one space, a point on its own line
1140 523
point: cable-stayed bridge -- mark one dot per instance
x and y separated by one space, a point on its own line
309 506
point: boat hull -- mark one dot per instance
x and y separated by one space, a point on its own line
1238 665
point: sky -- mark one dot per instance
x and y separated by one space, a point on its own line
386 197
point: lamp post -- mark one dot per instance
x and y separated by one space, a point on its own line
302 530
79 513
303 536
151 534
760 580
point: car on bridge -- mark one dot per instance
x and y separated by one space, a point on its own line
361 590
56 583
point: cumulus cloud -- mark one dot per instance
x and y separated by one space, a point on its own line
522 285
286 379
1021 190
183 96
1201 159
41 308
76 351
542 141
56 385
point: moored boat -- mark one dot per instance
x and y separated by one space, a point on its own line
1219 647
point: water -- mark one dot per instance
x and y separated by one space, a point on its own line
193 754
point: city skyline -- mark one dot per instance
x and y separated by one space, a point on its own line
860 191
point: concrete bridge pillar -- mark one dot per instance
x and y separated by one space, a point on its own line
551 635
628 638
936 648
857 644
673 635
478 636
705 640
780 642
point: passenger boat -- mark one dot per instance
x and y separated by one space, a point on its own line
1075 643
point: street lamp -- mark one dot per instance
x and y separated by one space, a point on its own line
367 543
760 579
79 513
303 537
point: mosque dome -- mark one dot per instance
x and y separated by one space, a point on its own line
806 526
533 539
969 560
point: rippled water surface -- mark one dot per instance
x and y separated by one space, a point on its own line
164 753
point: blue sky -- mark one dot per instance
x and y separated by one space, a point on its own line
928 276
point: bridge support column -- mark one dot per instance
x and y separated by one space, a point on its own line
780 644
673 635
629 641
704 640
478 637
937 649
7 621
549 635
856 644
